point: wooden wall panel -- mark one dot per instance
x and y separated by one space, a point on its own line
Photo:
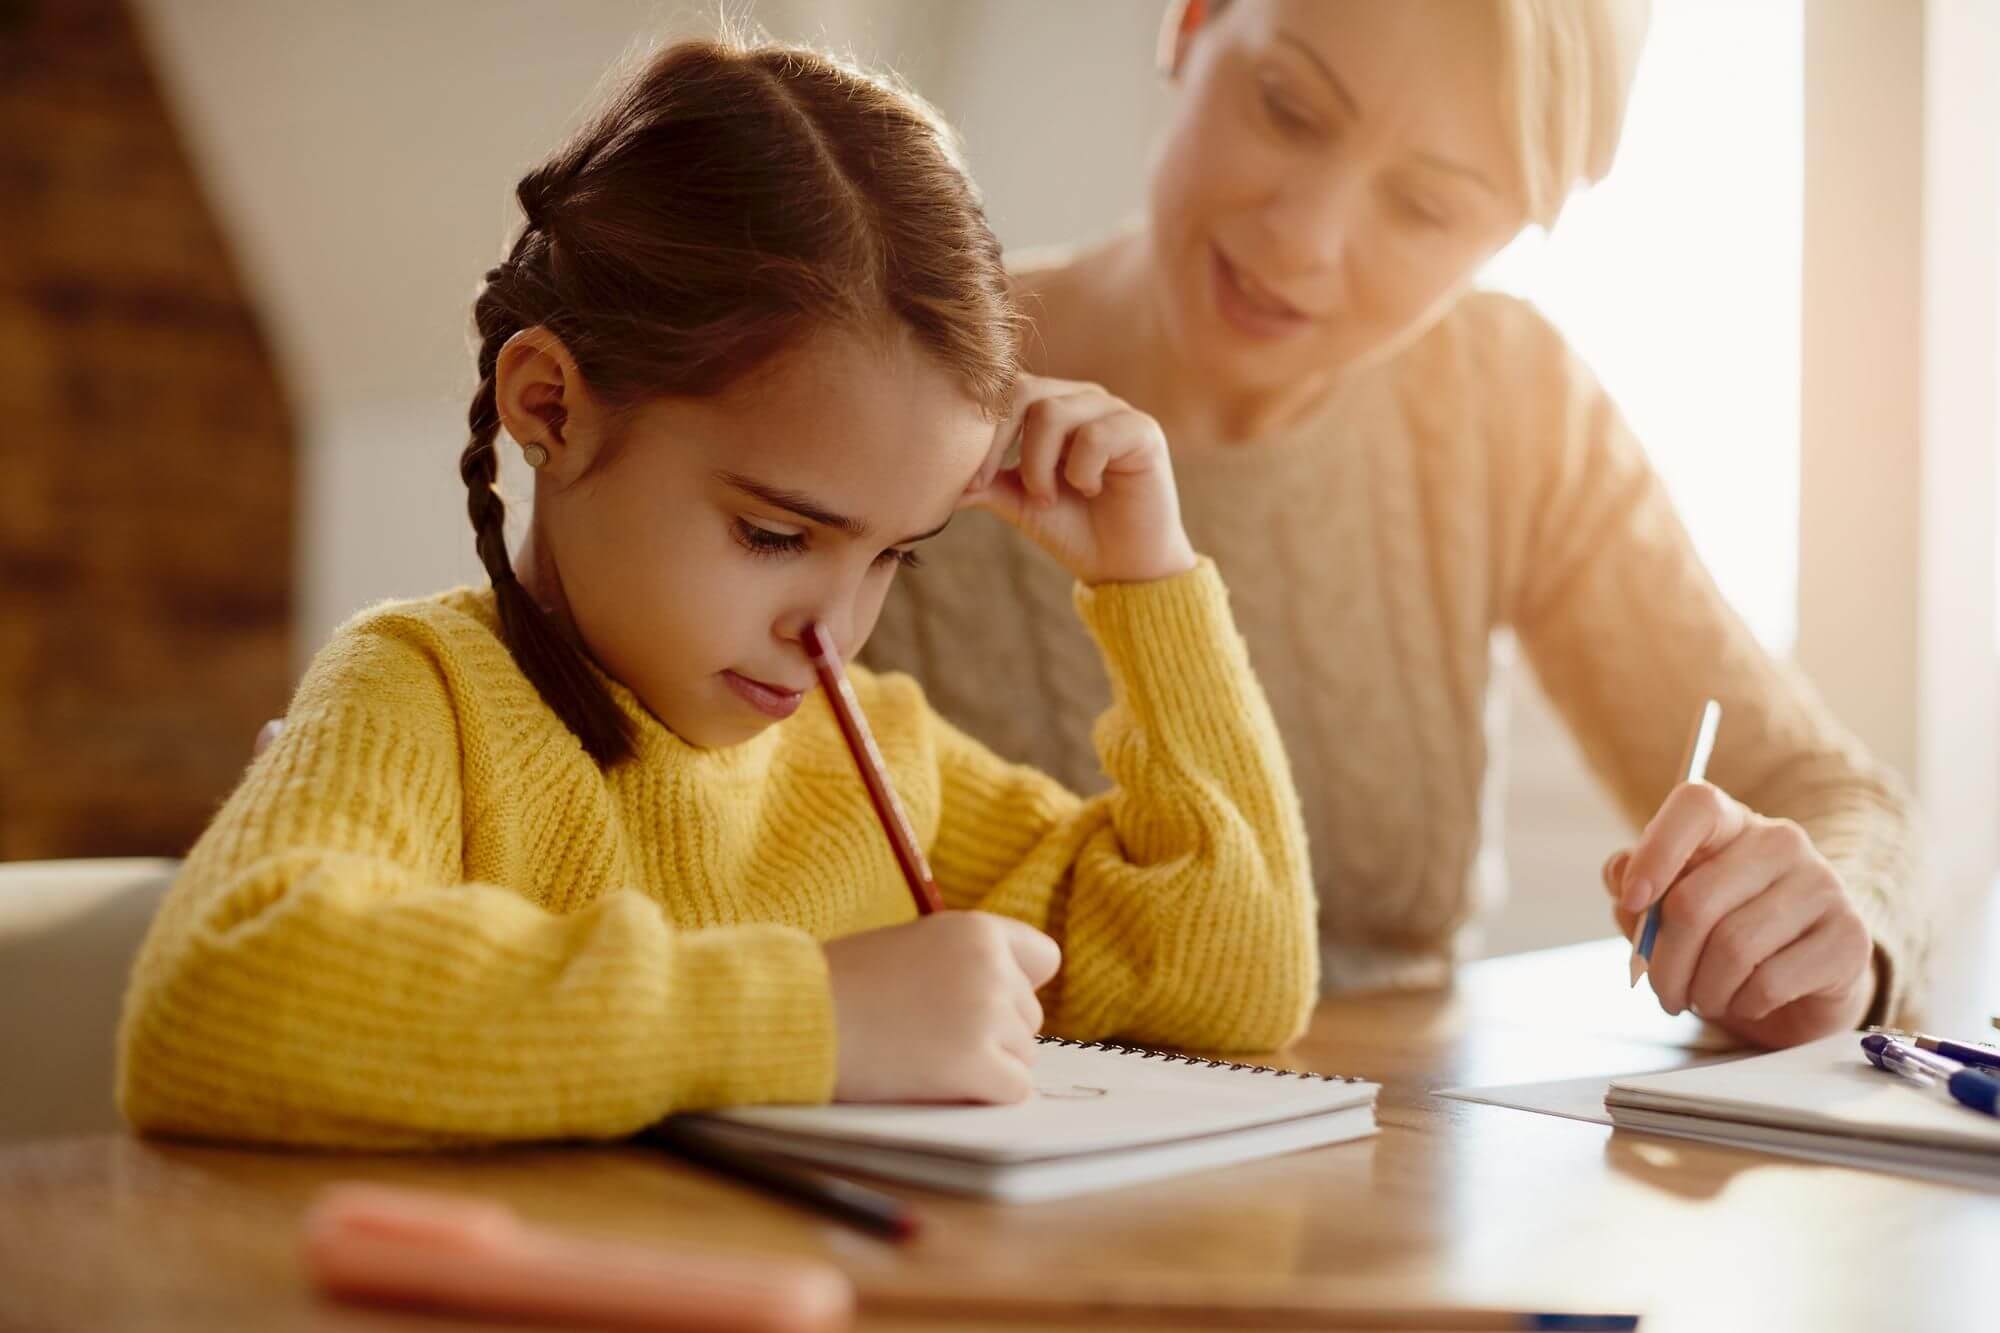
146 544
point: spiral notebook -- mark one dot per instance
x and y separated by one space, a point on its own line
1102 1115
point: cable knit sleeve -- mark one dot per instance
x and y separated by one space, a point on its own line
322 973
1628 633
1181 897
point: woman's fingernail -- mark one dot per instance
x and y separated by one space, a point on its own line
1637 894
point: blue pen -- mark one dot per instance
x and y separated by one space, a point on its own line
1694 767
1966 1053
1976 1088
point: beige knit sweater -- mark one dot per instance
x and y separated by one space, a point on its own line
1480 480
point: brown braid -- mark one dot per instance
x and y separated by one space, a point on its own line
546 654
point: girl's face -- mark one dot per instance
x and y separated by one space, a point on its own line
1335 174
694 551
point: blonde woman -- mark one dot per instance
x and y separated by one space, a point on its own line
1388 467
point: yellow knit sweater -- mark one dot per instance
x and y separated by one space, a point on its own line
426 917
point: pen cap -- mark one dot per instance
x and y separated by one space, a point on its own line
1976 1089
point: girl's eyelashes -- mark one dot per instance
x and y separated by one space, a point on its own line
764 541
767 542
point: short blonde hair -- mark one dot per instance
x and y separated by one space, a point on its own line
1567 73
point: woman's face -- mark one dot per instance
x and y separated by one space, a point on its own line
1335 174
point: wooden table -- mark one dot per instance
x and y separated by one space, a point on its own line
1451 1203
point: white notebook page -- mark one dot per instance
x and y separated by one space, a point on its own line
1088 1099
1826 1085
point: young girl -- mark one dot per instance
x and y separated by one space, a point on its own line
560 856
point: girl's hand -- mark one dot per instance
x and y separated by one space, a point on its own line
1757 932
942 1009
1093 486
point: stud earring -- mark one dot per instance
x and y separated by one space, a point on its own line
535 454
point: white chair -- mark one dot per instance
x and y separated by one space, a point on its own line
68 933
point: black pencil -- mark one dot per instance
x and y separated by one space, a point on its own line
857 1205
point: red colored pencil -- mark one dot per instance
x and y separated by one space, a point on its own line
874 773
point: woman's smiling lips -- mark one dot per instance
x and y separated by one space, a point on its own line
1247 306
773 701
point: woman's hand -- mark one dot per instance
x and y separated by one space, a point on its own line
942 1009
1093 486
1756 933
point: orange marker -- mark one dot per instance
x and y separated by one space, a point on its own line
380 1243
874 772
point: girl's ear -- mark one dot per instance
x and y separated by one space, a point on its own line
545 405
1183 19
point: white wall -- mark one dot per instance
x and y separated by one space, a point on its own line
363 157
1901 343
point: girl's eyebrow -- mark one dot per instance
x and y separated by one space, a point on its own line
805 507
793 501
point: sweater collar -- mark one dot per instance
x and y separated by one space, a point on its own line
653 742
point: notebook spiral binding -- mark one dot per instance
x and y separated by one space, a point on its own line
1200 1062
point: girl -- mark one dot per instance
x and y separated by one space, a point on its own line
561 856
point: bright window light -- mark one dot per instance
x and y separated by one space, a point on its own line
1677 281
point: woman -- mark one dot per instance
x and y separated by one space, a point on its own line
1388 467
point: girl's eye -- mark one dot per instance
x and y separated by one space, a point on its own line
763 541
906 559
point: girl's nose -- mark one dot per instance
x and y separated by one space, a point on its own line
835 619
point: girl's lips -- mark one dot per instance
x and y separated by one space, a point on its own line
1252 315
770 700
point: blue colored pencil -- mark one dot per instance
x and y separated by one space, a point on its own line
1694 767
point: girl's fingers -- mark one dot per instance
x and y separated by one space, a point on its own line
1046 421
1090 447
1003 496
1034 953
1695 817
1045 433
1827 960
1030 390
1020 1045
1694 906
1098 447
1759 929
1030 1010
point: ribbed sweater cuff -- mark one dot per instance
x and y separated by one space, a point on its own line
1170 645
